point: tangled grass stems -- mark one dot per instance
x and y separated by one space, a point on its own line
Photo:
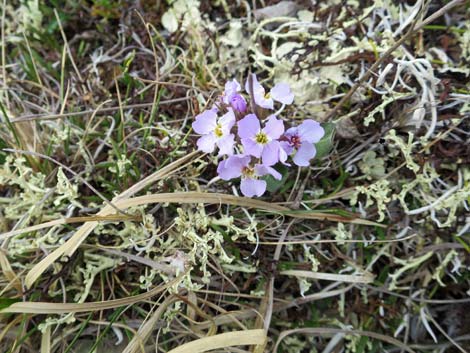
71 245
112 97
329 331
65 308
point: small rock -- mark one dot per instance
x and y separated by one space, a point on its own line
282 9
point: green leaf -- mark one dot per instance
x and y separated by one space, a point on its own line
3 156
6 302
326 143
361 346
273 184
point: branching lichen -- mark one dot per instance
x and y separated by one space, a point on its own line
377 193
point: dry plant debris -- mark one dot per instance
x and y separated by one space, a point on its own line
117 235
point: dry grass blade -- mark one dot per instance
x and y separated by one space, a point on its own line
330 276
439 13
146 329
266 306
251 313
223 340
70 220
48 116
332 331
313 297
329 241
16 321
203 197
216 198
69 247
229 318
46 341
89 251
9 274
191 197
65 308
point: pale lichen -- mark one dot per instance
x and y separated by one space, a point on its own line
120 166
439 271
26 18
372 166
130 234
405 147
309 256
406 265
380 109
66 190
94 264
199 238
341 233
184 11
377 193
193 233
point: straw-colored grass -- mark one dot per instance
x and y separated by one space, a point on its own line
113 226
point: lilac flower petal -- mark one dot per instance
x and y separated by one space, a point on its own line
227 121
274 127
252 187
206 143
310 131
205 122
270 154
263 102
282 155
227 171
257 87
259 94
304 154
232 167
226 144
224 172
292 131
239 161
287 148
251 147
261 170
238 103
231 88
248 127
281 93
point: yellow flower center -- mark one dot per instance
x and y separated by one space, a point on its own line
267 95
261 138
218 131
248 172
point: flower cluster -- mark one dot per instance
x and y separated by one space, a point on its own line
251 138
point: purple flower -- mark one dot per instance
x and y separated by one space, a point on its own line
239 166
232 97
231 88
233 166
280 93
262 143
301 138
215 131
238 103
